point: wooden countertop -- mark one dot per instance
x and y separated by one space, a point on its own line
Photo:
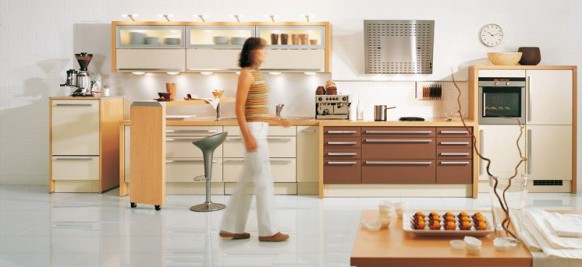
312 122
394 247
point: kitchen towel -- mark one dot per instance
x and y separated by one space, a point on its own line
575 255
565 225
538 219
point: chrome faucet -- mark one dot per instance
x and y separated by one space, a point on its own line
278 109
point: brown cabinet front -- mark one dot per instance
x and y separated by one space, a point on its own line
341 153
398 172
462 142
339 171
341 131
396 132
453 153
454 172
398 148
453 132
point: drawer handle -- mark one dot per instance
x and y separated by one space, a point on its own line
454 154
342 154
74 158
187 161
150 69
454 132
398 162
233 139
233 160
181 139
342 143
280 161
454 143
191 131
279 139
454 163
341 163
398 140
397 132
341 132
73 105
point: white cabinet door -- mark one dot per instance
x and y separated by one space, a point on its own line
75 168
549 152
185 169
300 60
212 59
157 60
283 169
498 143
549 97
307 158
75 127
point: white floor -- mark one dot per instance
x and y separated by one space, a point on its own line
66 229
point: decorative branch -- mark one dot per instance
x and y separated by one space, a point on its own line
501 199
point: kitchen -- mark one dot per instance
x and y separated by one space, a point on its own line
42 47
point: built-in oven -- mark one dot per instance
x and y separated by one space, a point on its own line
501 100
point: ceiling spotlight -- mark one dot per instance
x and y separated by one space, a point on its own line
310 72
166 16
130 16
272 17
173 72
202 17
206 73
274 72
237 17
138 72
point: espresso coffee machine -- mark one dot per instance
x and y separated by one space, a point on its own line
332 107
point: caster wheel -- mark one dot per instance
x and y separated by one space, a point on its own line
132 205
157 207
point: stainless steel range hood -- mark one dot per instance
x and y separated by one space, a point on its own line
399 46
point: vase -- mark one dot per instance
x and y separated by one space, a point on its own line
530 55
514 191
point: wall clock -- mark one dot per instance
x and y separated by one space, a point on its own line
491 35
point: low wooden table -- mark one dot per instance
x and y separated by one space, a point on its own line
394 247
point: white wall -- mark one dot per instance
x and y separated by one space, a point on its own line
39 38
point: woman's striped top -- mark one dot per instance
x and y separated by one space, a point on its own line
256 108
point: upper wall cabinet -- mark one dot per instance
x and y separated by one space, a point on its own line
215 46
150 48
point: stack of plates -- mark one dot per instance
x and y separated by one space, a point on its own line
136 38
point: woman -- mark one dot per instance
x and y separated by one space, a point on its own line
253 120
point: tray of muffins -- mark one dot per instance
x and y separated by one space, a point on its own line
448 223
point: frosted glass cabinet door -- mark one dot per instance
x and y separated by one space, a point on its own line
75 127
549 152
300 60
151 60
212 59
498 144
549 97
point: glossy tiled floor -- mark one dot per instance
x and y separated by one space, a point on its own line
41 229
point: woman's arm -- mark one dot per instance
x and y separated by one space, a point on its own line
245 80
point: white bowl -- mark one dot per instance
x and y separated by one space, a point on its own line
238 40
172 41
220 40
371 225
152 40
457 244
136 37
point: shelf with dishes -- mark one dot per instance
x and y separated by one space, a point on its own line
225 37
150 37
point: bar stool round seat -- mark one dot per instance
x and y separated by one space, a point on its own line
208 145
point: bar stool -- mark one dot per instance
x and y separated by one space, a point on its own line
208 145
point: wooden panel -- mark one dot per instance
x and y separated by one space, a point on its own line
454 153
341 172
75 127
307 160
398 148
457 143
453 132
185 169
341 142
65 186
148 168
398 172
111 114
75 168
454 172
151 59
395 132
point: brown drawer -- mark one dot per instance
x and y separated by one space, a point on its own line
453 132
398 148
454 153
454 142
341 171
341 153
454 172
341 142
338 131
395 132
398 172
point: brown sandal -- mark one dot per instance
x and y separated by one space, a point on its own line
229 235
278 237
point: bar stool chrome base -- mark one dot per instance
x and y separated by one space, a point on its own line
207 206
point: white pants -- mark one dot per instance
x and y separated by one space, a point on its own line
257 176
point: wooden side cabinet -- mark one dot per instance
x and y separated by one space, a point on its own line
342 154
84 144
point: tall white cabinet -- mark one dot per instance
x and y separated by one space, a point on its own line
549 136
